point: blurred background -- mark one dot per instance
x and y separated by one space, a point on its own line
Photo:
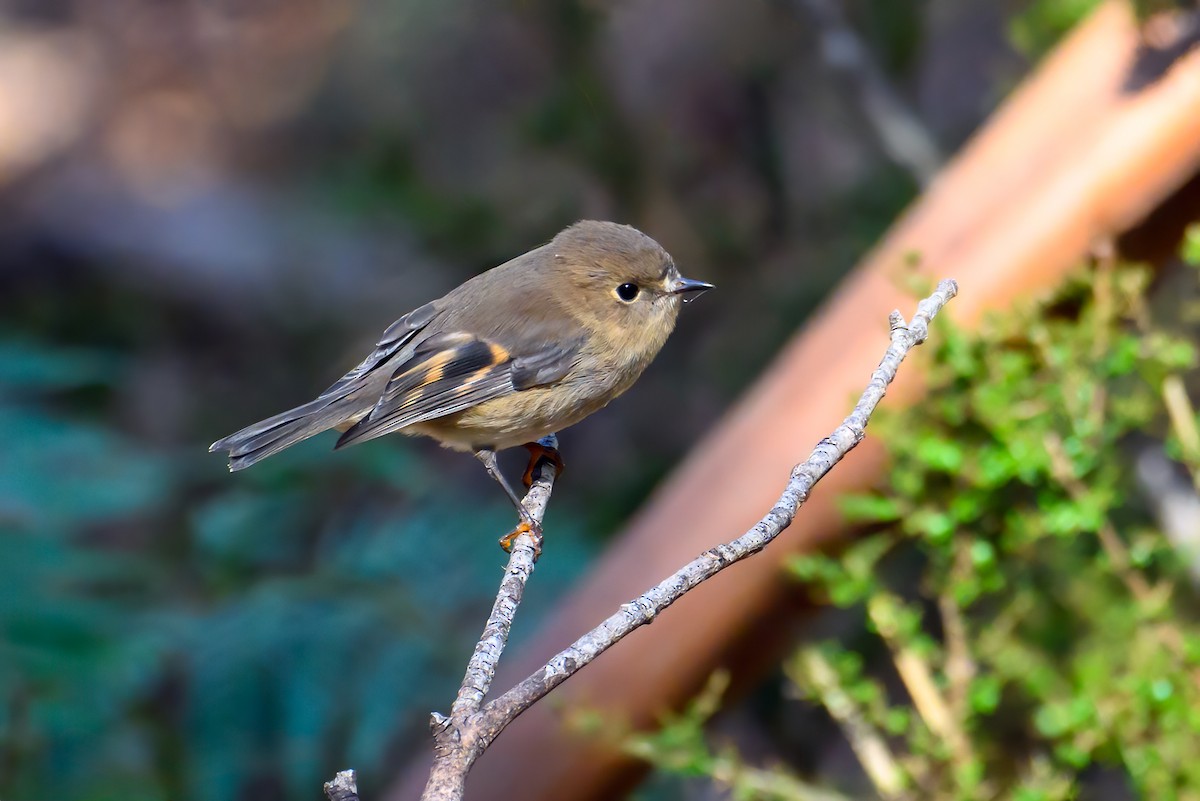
209 209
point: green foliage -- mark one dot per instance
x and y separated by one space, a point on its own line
578 115
681 748
1043 22
384 180
267 637
893 31
1048 632
1191 245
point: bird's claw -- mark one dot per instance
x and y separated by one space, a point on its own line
524 527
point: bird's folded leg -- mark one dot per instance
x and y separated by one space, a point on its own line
527 525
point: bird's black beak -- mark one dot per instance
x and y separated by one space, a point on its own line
689 288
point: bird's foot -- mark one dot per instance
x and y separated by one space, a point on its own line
537 452
524 527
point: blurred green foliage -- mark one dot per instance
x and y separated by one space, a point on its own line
1025 629
681 748
894 31
252 642
1042 23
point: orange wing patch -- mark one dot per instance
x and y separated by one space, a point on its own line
446 374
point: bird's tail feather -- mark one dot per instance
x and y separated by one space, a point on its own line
272 435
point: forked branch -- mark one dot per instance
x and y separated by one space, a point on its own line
461 737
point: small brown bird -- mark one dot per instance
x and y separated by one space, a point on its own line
509 357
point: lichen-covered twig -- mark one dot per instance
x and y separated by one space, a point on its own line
473 725
648 605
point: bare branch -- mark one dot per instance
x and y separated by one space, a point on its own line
461 738
646 607
481 670
903 136
868 743
344 787
472 725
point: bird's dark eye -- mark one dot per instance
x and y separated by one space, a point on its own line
627 292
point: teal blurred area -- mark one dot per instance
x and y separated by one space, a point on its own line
171 631
211 209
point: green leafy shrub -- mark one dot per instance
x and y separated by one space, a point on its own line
1036 629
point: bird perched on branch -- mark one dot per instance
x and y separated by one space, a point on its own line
510 356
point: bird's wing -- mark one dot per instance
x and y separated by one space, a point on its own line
349 395
453 371
393 340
